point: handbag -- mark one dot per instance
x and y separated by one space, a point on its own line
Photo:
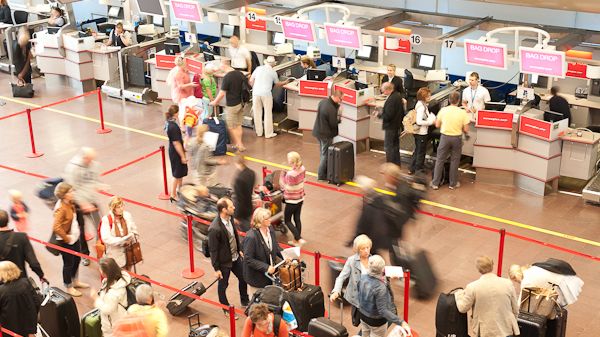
24 90
540 301
53 241
133 253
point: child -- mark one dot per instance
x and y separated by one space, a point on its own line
18 210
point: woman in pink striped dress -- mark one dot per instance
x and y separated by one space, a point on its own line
292 183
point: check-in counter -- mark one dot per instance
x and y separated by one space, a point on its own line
302 100
106 63
161 65
355 115
579 154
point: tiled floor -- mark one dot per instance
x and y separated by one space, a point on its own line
328 216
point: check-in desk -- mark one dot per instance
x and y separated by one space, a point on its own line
161 65
106 62
584 111
302 100
66 58
355 115
579 154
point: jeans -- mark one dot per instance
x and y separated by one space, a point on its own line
373 331
258 104
391 145
418 157
449 146
70 263
325 143
238 270
293 210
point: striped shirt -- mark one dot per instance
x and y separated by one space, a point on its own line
292 183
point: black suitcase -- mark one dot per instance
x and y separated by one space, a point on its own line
340 163
531 325
272 296
445 174
58 314
325 327
420 270
558 327
179 302
448 320
306 304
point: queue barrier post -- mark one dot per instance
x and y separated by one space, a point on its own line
192 272
406 293
501 250
102 129
231 321
33 153
317 267
165 194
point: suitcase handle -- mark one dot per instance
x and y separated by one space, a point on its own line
341 308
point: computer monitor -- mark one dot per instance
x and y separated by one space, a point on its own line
227 30
551 116
93 26
150 7
53 30
495 106
367 53
208 56
316 74
424 61
158 20
113 12
278 38
360 85
538 81
172 47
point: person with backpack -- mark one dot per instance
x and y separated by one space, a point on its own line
423 119
261 322
17 248
391 115
117 231
111 300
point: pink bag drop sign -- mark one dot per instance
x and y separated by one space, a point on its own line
296 29
187 10
343 36
485 54
542 62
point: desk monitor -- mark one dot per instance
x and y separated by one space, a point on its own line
424 61
538 81
208 56
113 12
495 106
278 38
172 47
227 30
367 53
360 85
53 30
158 20
151 7
551 116
93 26
316 74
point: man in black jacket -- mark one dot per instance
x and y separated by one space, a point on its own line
559 104
15 247
243 187
394 79
226 252
326 127
391 115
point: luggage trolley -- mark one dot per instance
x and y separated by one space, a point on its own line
271 198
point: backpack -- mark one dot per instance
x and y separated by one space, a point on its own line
409 122
246 91
130 289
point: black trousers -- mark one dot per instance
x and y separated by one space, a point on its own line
238 270
293 210
418 157
391 144
70 263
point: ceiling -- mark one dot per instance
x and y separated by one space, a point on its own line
590 6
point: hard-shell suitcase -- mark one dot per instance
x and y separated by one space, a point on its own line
340 163
531 325
218 126
420 270
325 327
448 320
179 302
90 324
58 314
558 327
198 329
307 303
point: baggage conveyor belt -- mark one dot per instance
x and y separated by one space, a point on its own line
591 191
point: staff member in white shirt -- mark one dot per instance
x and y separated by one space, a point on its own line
262 80
475 96
240 56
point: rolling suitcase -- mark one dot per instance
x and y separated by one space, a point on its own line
340 163
307 303
90 324
58 314
218 126
179 302
325 327
420 270
448 320
558 327
531 325
272 296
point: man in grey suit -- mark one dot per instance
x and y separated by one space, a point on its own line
493 302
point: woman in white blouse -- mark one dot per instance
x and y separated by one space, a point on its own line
118 231
424 120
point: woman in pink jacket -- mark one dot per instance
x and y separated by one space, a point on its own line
292 183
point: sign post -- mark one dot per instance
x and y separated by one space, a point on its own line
343 36
485 54
296 29
186 10
542 62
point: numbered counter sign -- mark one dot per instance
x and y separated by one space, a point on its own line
416 39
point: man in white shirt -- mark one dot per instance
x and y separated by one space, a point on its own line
475 96
240 56
262 80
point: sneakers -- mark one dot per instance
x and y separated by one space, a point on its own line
271 136
434 187
81 285
85 262
74 292
455 186
298 243
236 317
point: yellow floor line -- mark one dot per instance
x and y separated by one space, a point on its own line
353 184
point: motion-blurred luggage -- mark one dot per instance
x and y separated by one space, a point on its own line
272 296
448 320
91 325
179 302
198 329
218 126
307 303
420 270
558 327
340 163
58 314
325 327
531 325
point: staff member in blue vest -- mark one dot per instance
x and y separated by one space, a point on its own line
118 37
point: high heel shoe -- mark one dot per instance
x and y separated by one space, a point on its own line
172 200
